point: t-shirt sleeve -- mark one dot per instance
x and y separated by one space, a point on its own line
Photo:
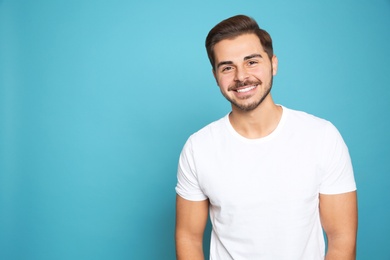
337 172
187 180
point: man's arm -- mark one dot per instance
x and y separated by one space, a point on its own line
339 219
191 219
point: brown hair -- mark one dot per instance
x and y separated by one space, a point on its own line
233 27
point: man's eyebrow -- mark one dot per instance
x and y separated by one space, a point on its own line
255 55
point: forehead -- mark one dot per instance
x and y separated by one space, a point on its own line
237 48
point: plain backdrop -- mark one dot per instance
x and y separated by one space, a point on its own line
98 97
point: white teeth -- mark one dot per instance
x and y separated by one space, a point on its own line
245 89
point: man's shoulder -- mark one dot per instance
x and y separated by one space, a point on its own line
305 119
210 131
311 127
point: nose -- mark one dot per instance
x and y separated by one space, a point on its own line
241 74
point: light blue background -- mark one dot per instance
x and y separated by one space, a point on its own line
98 97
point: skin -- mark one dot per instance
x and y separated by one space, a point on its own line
339 218
244 73
191 219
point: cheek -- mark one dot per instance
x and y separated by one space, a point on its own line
258 72
224 81
262 74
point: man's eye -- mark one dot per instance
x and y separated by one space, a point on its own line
252 62
226 69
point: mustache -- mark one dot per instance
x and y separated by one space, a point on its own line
240 84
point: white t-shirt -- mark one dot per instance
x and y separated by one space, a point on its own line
264 192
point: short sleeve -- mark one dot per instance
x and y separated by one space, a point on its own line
336 170
187 182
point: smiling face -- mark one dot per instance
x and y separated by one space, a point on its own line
244 72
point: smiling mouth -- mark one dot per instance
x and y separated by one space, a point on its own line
243 90
245 86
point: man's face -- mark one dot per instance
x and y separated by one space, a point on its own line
244 71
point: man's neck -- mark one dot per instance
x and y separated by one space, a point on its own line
257 123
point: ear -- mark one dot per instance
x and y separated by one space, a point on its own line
274 61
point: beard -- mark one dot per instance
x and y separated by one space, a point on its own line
246 107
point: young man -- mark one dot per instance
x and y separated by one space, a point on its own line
271 177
